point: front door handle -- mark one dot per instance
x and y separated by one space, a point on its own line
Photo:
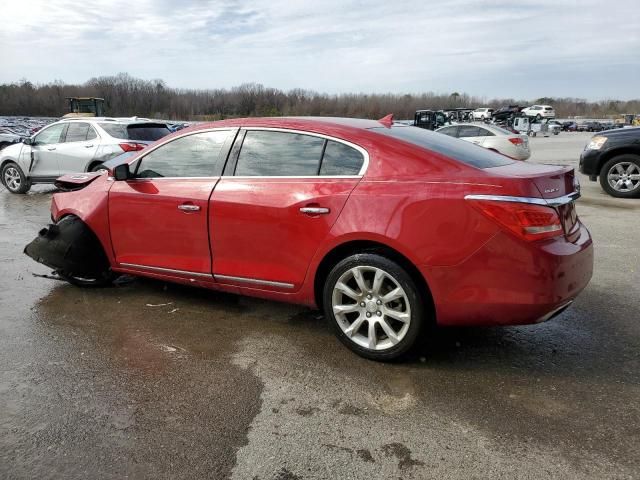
51 149
186 207
314 210
88 146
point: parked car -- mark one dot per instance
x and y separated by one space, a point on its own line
569 126
594 127
388 228
73 145
7 137
482 114
614 158
491 137
506 113
539 111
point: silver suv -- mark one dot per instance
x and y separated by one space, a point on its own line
73 145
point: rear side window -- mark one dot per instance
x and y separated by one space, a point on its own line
450 131
461 151
191 156
485 133
268 154
145 132
79 132
469 131
341 159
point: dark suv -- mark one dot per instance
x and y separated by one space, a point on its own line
614 156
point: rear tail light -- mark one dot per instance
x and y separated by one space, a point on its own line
516 140
131 146
528 221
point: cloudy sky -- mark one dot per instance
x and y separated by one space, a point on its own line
515 48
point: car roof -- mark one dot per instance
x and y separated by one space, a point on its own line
114 120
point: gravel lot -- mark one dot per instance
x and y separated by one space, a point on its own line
148 380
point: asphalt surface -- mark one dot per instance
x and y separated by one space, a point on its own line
150 380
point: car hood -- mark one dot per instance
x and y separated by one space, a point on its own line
631 132
12 151
76 181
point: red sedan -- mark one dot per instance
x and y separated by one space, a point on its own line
386 227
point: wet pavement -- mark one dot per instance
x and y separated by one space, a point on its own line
152 380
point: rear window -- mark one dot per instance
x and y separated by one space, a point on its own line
460 150
145 132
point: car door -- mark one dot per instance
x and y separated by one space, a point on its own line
44 159
78 149
281 194
158 219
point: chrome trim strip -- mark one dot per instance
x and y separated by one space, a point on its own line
252 280
167 270
547 202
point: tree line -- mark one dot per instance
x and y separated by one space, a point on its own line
127 96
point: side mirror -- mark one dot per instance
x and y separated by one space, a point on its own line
28 141
121 172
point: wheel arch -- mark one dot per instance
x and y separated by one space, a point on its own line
352 247
626 150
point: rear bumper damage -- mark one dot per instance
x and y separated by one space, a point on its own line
70 248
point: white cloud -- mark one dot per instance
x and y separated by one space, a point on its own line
494 48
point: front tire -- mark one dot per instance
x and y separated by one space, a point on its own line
620 176
14 179
373 306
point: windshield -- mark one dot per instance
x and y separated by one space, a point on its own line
145 132
456 149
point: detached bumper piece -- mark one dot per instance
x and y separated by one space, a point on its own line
71 249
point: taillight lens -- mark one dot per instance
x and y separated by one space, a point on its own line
516 140
131 146
528 221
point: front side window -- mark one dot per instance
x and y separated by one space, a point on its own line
268 154
341 159
50 135
78 132
195 155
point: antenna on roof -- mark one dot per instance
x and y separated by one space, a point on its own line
387 121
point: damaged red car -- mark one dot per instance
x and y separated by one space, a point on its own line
388 228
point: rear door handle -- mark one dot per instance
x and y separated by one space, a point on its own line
51 149
186 207
314 210
88 146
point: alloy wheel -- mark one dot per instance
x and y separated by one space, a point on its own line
624 177
371 307
12 178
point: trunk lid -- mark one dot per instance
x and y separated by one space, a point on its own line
550 181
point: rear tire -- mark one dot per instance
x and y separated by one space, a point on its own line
373 306
14 179
98 167
620 176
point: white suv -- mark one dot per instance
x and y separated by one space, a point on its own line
73 145
482 113
539 111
